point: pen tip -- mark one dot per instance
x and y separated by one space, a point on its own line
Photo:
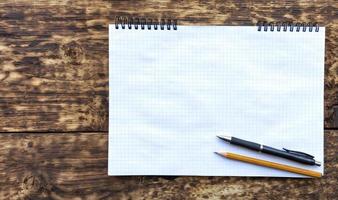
224 137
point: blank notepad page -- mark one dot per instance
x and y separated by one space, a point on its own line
172 91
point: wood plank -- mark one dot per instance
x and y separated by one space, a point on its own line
54 67
74 166
52 51
53 112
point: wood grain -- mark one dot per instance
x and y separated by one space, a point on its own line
54 79
74 166
54 54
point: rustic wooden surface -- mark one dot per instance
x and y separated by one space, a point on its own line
54 100
74 166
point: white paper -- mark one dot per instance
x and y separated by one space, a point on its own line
172 92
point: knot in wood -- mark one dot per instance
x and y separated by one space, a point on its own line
32 185
72 52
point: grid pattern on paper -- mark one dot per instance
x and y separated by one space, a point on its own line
171 92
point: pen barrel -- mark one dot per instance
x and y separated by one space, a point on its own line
246 144
287 155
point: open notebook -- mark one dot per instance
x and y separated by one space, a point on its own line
172 91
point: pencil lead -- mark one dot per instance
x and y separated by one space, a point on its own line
218 153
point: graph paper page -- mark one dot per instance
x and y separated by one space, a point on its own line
171 93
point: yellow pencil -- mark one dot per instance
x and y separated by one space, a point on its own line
274 165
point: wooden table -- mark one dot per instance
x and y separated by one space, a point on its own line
54 100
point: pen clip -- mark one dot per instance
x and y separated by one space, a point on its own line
298 153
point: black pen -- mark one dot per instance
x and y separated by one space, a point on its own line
285 153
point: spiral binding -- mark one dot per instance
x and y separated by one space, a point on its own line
145 23
287 26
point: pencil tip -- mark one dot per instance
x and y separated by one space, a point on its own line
221 153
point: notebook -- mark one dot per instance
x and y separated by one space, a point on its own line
173 88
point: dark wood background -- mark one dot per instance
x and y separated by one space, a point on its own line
54 100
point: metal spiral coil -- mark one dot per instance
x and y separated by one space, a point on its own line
145 23
287 26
